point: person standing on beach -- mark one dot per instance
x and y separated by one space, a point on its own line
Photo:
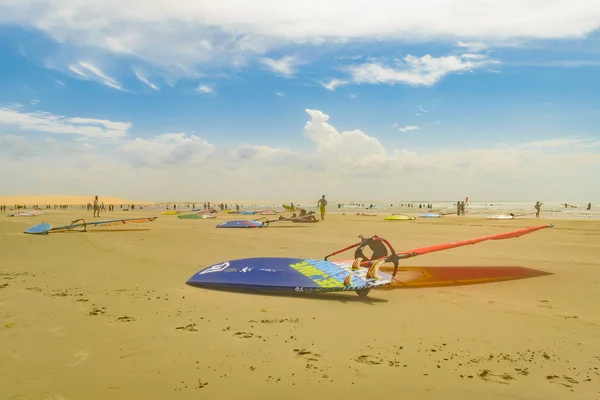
589 207
537 207
322 203
96 207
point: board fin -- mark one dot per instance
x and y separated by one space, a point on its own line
374 269
348 279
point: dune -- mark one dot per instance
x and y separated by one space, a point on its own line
62 200
107 315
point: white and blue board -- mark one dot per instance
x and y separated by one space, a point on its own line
241 224
287 275
39 229
430 215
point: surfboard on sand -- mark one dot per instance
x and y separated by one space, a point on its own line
81 225
399 217
197 216
431 215
361 274
500 217
298 275
170 212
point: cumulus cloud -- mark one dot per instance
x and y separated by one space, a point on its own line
347 164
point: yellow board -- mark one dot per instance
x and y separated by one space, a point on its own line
398 217
170 212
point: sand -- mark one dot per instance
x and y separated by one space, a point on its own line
107 315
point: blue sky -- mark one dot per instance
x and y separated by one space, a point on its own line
188 101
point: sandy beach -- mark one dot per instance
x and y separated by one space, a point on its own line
107 315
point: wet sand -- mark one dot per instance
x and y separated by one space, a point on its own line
107 315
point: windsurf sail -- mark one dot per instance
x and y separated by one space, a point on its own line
81 225
378 246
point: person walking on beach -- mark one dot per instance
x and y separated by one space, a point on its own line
96 207
589 207
322 203
537 207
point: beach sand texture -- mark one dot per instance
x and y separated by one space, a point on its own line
107 315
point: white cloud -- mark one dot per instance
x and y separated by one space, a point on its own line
284 66
280 94
205 89
473 47
350 164
415 71
332 84
146 81
84 68
15 116
409 128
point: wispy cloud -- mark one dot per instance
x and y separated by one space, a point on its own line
15 116
146 81
332 84
205 89
562 143
84 68
181 36
280 94
285 66
408 128
473 47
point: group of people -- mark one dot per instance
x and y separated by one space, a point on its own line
460 208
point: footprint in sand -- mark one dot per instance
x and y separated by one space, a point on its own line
488 376
58 331
244 335
4 285
564 380
34 289
81 356
125 319
368 360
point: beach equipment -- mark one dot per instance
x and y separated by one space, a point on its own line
399 217
81 225
197 216
170 212
307 275
26 214
263 222
431 215
500 217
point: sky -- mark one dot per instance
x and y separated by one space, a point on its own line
288 100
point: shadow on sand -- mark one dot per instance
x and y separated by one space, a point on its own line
342 297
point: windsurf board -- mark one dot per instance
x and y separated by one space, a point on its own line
399 217
40 228
247 212
430 215
287 275
500 217
170 212
197 216
240 224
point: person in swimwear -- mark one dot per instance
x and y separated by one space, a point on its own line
322 203
96 207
